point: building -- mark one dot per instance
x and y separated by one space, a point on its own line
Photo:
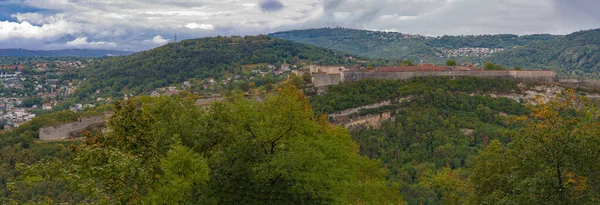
46 106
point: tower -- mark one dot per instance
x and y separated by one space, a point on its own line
175 37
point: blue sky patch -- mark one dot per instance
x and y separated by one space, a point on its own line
7 9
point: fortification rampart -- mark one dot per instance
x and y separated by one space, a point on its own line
321 79
63 131
536 76
579 82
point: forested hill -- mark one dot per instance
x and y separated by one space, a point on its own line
17 52
395 45
200 59
576 54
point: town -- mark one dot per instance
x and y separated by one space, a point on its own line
34 88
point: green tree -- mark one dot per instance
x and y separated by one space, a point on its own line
450 62
518 68
183 171
406 62
307 77
277 147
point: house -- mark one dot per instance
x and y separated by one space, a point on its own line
285 67
277 72
154 94
46 106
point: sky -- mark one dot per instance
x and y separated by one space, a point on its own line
143 24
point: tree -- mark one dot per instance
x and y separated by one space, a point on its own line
183 171
307 77
450 62
518 68
369 67
406 62
276 147
553 158
123 162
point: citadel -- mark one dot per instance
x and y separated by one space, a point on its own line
333 75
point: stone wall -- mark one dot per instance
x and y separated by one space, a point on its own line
327 69
321 79
63 131
579 82
536 76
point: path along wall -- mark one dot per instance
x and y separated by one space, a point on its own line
63 131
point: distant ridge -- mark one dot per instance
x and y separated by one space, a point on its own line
19 52
574 55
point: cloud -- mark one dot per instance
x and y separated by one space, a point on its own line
200 26
134 25
82 42
158 40
271 5
25 30
35 18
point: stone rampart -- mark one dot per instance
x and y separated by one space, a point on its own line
63 131
535 76
321 79
327 69
579 82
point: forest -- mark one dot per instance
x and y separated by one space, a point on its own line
169 151
450 144
437 146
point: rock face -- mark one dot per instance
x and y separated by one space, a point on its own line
373 121
64 131
544 92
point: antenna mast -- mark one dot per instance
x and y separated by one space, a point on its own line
175 37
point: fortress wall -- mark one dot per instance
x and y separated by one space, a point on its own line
577 82
320 80
537 76
58 132
326 69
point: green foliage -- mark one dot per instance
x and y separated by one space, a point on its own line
450 62
492 66
551 159
406 62
425 147
365 92
271 151
307 77
183 171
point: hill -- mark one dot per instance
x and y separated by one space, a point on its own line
18 52
218 58
575 54
395 45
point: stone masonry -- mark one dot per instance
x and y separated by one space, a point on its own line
333 79
63 131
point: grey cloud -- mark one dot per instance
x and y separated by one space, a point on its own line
131 23
271 5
